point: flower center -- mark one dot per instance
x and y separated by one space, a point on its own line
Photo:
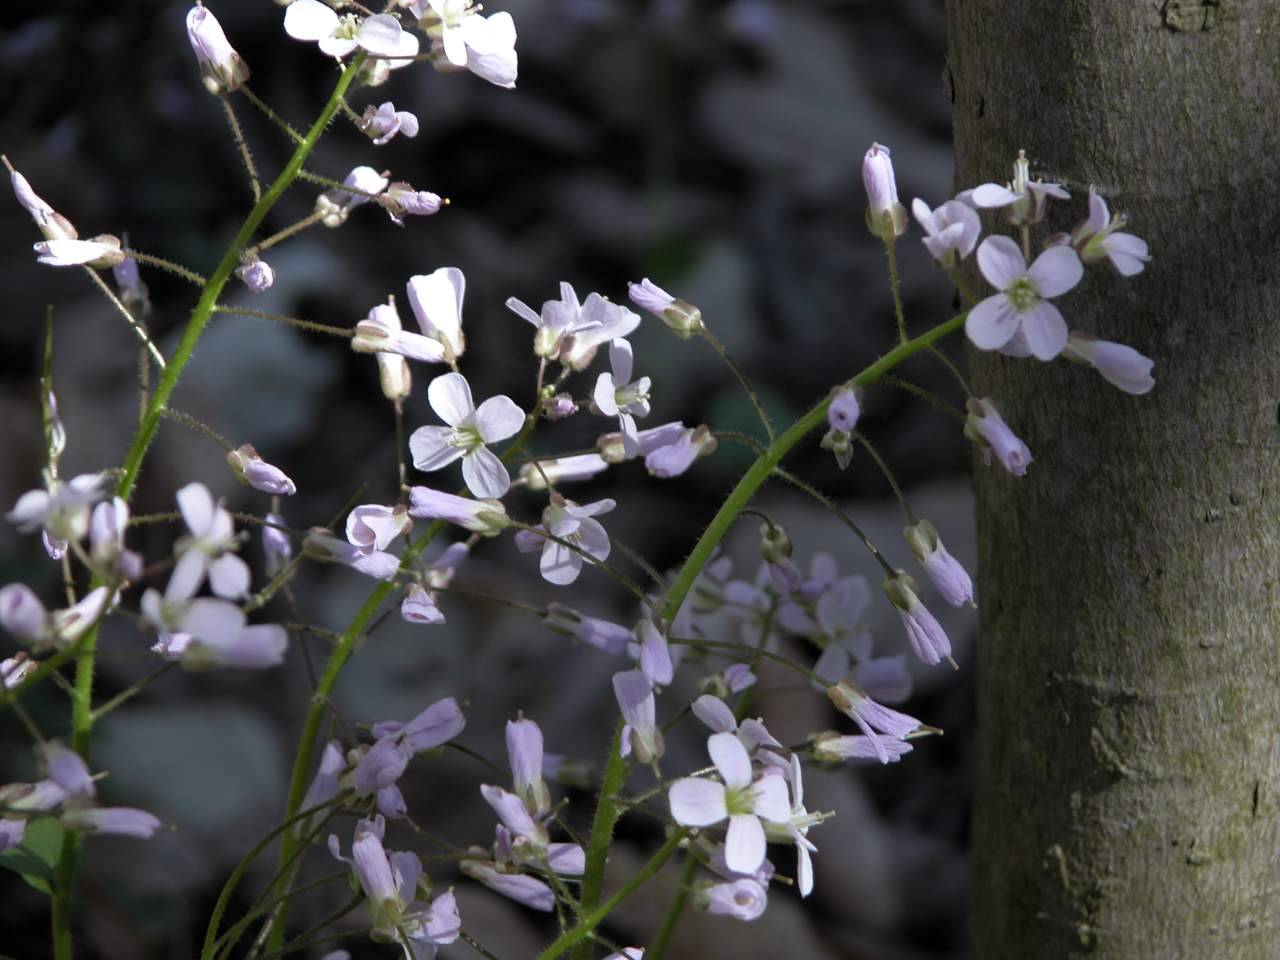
741 800
466 437
1023 294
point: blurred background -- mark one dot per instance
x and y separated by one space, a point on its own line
714 147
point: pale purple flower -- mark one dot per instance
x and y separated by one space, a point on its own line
575 524
106 540
335 205
324 785
529 833
11 833
437 724
383 122
585 327
53 225
844 410
1025 198
402 200
491 48
682 317
222 69
436 299
520 887
582 466
62 508
882 193
738 677
640 733
616 395
215 633
1099 238
796 829
101 251
928 640
1119 364
419 606
372 527
654 653
1022 303
207 549
15 669
743 899
872 717
133 292
470 429
380 35
23 615
257 274
951 579
71 624
380 334
717 716
251 469
602 634
986 427
952 230
834 748
886 679
276 546
320 544
485 517
557 323
744 802
121 821
674 458
524 753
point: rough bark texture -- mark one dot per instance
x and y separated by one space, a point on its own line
1129 670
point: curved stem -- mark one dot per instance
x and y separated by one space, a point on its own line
888 475
764 465
742 379
835 508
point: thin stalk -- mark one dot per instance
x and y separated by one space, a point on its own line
294 228
927 396
888 475
132 691
895 286
242 145
606 818
847 520
345 332
955 371
199 426
271 115
175 268
129 318
658 946
742 380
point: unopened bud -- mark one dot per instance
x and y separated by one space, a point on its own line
682 317
882 192
559 406
222 69
840 443
775 545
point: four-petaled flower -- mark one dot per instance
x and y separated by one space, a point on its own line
1022 304
470 429
616 395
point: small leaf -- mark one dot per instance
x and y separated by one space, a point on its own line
35 857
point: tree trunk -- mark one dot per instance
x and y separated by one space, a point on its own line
1128 781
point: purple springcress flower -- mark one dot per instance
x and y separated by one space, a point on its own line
470 429
372 527
882 193
680 316
276 546
257 274
106 540
1022 304
717 716
71 624
595 322
796 829
561 406
640 733
121 821
485 517
316 22
100 252
603 635
529 835
363 184
654 653
952 230
61 508
831 747
215 633
15 669
743 899
1099 238
53 225
519 887
221 68
383 122
556 325
436 299
252 470
944 570
674 458
616 395
402 200
23 615
437 724
1119 364
207 549
985 427
697 802
324 785
928 640
419 606
1025 198
524 753
575 524
11 833
321 545
844 410
872 717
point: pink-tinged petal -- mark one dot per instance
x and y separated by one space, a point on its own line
430 448
992 323
229 577
309 20
450 397
744 844
486 476
715 713
559 565
698 803
1001 261
498 418
196 505
1055 271
989 196
1045 329
771 799
380 35
731 760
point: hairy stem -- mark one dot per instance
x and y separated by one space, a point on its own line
606 818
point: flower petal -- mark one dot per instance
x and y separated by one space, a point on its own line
696 802
1055 271
309 20
431 449
992 323
1000 261
450 397
559 564
1044 328
730 758
485 474
744 843
498 418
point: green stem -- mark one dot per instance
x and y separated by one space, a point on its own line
82 700
742 380
763 467
606 817
659 944
895 286
581 934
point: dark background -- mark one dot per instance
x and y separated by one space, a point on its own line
713 147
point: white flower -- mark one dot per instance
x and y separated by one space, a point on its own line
952 229
491 48
101 251
1025 198
696 802
469 430
62 509
797 827
436 299
222 69
1021 304
385 121
882 192
574 523
1120 365
208 549
52 224
380 35
616 395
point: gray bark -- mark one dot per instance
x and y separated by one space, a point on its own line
1128 781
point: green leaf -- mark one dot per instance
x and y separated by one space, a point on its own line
35 857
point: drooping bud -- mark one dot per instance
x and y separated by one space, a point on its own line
839 443
944 570
986 428
401 200
524 751
1119 364
928 640
882 193
682 317
222 69
844 409
133 292
52 224
252 470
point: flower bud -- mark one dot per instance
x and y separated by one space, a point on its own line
276 545
986 428
485 517
944 570
682 317
255 472
22 613
133 292
52 224
840 443
524 751
559 406
743 899
833 747
843 410
257 275
400 200
99 252
775 545
1118 364
882 192
928 640
222 69
419 606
